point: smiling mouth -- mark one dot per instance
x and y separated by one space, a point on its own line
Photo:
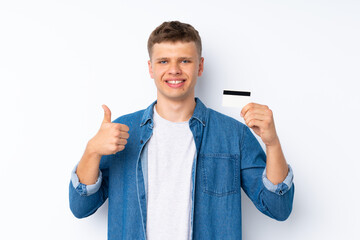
174 81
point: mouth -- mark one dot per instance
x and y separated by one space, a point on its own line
175 83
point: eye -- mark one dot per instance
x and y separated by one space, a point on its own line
185 61
163 62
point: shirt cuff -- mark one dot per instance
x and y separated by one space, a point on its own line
83 189
280 188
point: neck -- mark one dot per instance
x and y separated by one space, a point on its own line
176 111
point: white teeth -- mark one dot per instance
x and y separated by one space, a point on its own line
174 82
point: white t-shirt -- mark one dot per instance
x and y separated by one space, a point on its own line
171 152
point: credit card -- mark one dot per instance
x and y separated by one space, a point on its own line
236 99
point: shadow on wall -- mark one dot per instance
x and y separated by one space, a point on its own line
205 87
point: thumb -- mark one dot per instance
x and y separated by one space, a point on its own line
107 114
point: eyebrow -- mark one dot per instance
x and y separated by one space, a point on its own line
180 58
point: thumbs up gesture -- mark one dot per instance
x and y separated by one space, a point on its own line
111 137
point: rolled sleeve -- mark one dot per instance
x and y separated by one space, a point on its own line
83 189
280 188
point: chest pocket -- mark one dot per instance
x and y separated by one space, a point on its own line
219 173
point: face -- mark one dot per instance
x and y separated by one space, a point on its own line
175 68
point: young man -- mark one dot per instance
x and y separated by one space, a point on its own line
180 174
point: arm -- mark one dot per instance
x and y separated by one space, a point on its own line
276 166
88 188
110 139
86 199
271 190
260 119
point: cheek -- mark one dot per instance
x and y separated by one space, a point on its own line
159 71
193 72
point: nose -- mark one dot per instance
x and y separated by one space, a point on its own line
174 69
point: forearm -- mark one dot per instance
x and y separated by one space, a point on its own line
276 166
83 204
88 167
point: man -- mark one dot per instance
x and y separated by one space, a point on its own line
175 169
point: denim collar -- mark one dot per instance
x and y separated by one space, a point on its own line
199 113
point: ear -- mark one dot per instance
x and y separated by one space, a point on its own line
150 69
201 67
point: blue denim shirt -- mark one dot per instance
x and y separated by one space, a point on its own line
228 157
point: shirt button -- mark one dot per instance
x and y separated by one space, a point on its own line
141 141
280 192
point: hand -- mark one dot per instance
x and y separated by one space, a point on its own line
111 137
260 119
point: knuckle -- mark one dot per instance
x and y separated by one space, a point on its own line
124 127
113 148
267 124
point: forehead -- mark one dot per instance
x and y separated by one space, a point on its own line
174 49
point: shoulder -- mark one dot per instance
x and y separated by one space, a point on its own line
131 118
215 117
136 117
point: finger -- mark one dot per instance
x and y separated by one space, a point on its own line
121 134
121 127
124 128
255 123
121 141
258 116
120 148
249 106
107 114
260 111
117 148
124 135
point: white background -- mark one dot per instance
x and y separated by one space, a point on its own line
60 60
